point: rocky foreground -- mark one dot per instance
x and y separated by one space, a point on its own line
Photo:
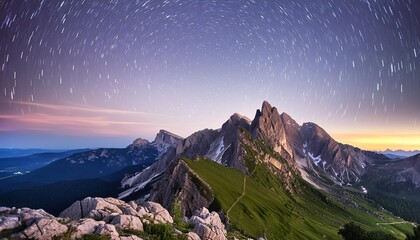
108 217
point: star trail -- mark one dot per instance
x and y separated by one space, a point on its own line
92 73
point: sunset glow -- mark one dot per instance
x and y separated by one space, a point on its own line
378 141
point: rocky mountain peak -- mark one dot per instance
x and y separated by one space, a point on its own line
265 112
166 137
139 142
236 120
267 108
314 130
269 127
287 119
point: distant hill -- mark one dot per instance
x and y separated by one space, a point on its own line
33 161
18 152
399 153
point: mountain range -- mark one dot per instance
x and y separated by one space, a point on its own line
399 154
266 177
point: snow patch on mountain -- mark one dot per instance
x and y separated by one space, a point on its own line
137 187
317 159
217 149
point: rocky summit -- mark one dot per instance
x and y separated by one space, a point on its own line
108 217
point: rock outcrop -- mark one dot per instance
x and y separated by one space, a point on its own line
166 143
208 225
268 126
309 147
344 163
96 208
180 181
104 216
157 212
35 224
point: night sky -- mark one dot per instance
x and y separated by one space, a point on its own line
93 73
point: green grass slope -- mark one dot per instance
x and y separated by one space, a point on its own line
264 209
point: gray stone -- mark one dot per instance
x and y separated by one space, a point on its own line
27 214
85 226
108 230
4 209
208 225
193 236
131 237
127 222
94 207
43 228
159 213
9 222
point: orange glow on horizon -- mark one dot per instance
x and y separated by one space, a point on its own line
380 141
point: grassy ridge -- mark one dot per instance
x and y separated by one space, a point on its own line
267 210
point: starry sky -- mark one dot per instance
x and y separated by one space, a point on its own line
100 73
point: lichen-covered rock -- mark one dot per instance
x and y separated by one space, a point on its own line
127 222
208 225
42 229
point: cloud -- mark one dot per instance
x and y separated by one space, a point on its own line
80 109
75 120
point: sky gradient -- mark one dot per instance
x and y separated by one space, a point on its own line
93 73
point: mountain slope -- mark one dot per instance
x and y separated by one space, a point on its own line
92 173
307 150
395 184
267 210
220 145
270 199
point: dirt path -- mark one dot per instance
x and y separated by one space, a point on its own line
242 194
392 223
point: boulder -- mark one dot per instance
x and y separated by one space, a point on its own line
131 237
9 222
97 208
42 229
4 210
208 225
102 216
127 222
133 204
85 226
27 214
108 230
159 213
193 236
